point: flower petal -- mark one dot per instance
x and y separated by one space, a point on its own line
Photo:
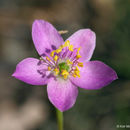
95 75
62 94
84 38
28 71
45 37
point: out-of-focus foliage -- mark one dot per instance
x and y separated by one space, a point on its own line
121 36
26 107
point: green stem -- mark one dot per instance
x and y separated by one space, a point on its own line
59 119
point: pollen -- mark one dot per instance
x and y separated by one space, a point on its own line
80 64
76 68
56 71
65 74
71 48
69 62
49 68
58 50
76 73
47 58
79 49
78 55
56 58
67 43
62 46
52 53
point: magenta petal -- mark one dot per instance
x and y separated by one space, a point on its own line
84 38
45 36
95 75
62 94
27 71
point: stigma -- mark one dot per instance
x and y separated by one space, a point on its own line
64 61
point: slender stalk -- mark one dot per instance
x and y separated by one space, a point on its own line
59 119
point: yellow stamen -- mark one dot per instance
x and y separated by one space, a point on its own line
62 46
78 75
49 68
74 75
67 43
47 58
52 53
58 50
56 58
63 70
65 74
69 62
78 49
80 64
56 71
76 72
76 69
78 55
71 48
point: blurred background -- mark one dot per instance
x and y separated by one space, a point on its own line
26 107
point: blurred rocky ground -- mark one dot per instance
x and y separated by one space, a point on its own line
26 107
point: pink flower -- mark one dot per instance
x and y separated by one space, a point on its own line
63 65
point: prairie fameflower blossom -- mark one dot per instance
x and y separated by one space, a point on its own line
63 66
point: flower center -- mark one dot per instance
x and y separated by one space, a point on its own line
63 66
63 62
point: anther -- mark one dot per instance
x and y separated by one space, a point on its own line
67 43
56 71
80 64
58 50
69 62
49 68
52 53
55 58
47 58
78 56
65 74
71 48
